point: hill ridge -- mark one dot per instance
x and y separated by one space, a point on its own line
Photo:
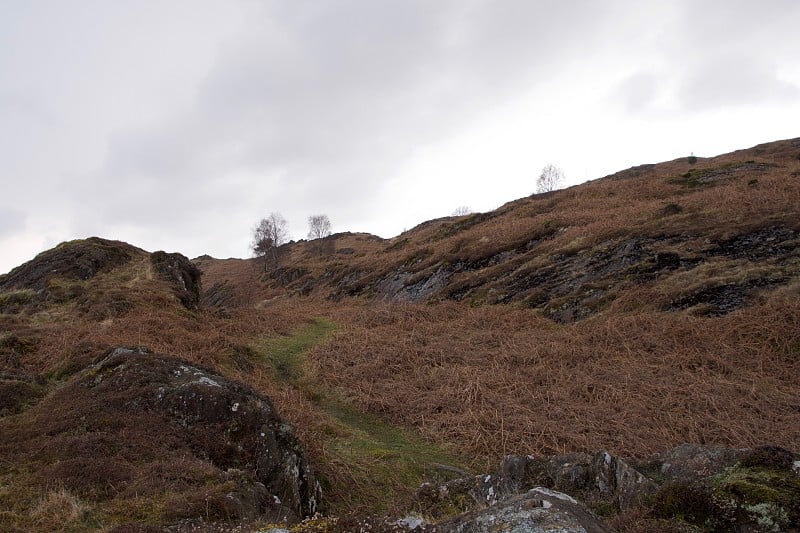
573 252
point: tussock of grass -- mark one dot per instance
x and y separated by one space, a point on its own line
59 510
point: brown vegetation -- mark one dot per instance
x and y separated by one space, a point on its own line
657 306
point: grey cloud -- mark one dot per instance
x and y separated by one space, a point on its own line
11 221
323 100
732 81
726 52
710 27
638 92
313 105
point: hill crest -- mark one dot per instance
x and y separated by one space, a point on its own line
575 252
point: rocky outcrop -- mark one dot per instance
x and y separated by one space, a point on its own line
220 419
713 488
722 489
539 510
689 488
181 274
73 260
593 479
58 275
130 425
571 286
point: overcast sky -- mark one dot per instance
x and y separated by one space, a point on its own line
178 124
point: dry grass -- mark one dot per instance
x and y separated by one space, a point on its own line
486 381
499 380
58 510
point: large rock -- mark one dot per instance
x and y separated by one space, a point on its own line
510 499
73 260
690 462
128 425
221 419
181 274
540 510
728 489
602 478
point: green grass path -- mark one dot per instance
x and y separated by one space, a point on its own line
381 464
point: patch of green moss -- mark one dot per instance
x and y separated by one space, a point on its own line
62 290
444 501
689 502
762 494
14 301
284 355
604 508
765 498
385 462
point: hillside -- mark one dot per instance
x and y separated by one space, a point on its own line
651 308
710 234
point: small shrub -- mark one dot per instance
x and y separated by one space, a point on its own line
692 159
13 302
18 345
773 457
16 395
689 502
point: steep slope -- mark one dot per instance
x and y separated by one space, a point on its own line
651 308
708 236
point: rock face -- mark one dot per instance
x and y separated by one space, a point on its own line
182 274
599 478
713 488
222 420
568 287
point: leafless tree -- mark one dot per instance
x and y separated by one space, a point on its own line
462 210
319 227
550 179
268 235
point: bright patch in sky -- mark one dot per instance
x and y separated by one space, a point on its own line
178 125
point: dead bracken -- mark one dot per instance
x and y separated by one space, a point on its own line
630 344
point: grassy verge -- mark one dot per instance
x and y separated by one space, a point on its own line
378 466
284 355
367 464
